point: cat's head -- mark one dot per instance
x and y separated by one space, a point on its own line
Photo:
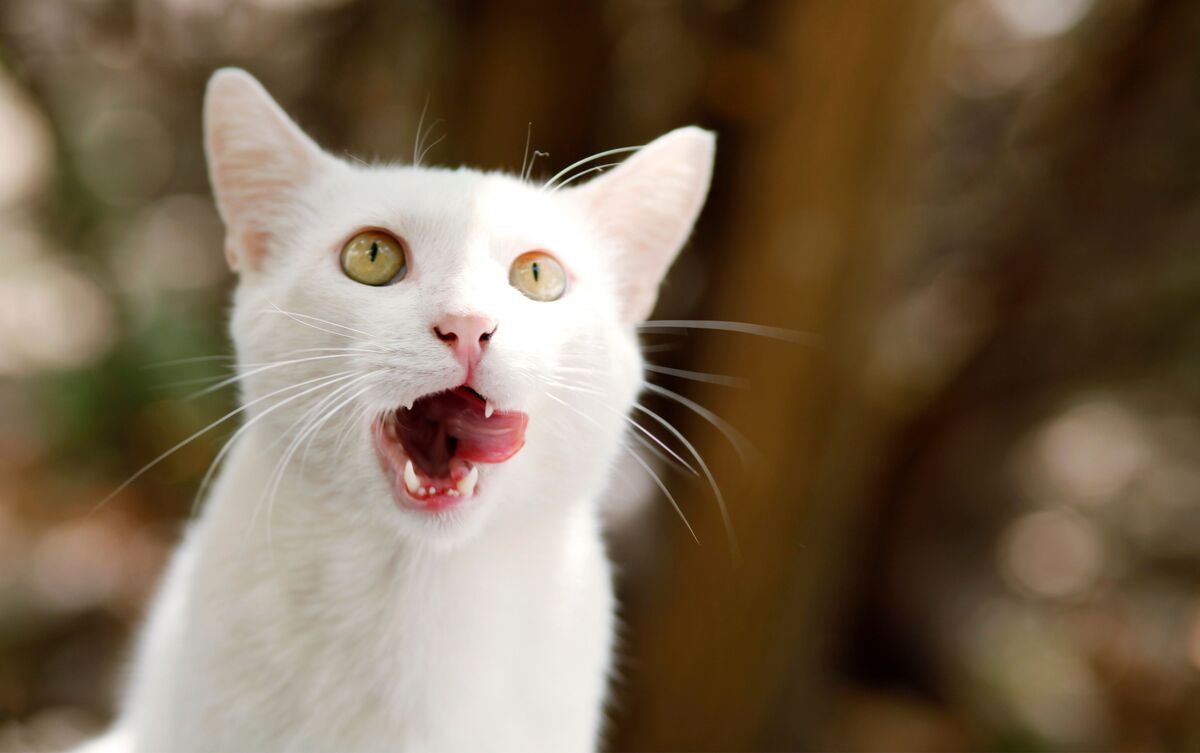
430 347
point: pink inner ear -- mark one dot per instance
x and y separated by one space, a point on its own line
258 161
254 248
646 207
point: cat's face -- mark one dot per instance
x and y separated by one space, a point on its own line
455 343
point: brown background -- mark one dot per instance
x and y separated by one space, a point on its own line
972 517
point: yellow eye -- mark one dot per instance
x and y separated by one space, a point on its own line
374 258
539 276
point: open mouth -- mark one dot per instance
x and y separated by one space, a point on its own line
430 451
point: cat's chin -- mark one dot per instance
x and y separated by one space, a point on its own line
431 453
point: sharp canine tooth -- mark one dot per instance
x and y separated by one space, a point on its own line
410 478
488 409
466 484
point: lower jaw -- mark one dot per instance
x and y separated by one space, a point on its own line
430 504
432 496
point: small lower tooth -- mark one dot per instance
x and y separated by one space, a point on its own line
466 484
488 409
411 482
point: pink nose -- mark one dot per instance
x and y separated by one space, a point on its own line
466 336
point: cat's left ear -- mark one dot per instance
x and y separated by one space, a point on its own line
646 208
259 163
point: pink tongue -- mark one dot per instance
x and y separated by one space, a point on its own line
486 440
449 425
480 439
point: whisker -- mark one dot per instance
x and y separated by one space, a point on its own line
582 173
351 419
665 491
225 448
660 347
312 350
309 432
266 367
525 157
439 140
296 318
419 137
663 456
315 409
665 447
734 548
640 461
175 448
741 445
168 386
777 333
295 315
355 396
598 155
215 463
234 366
562 369
700 376
533 160
232 358
570 387
304 455
276 473
193 359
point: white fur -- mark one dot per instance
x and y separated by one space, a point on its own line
321 616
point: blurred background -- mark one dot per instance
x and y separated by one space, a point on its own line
970 519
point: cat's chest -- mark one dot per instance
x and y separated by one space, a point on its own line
375 647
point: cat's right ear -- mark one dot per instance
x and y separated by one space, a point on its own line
259 161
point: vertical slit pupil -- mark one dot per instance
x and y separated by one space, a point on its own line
535 271
374 250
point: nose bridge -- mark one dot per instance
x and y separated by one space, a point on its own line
463 317
463 285
468 283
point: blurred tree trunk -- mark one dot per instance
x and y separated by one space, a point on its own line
733 656
512 67
1067 211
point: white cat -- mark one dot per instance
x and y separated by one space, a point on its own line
403 548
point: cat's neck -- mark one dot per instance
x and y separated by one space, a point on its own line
299 524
